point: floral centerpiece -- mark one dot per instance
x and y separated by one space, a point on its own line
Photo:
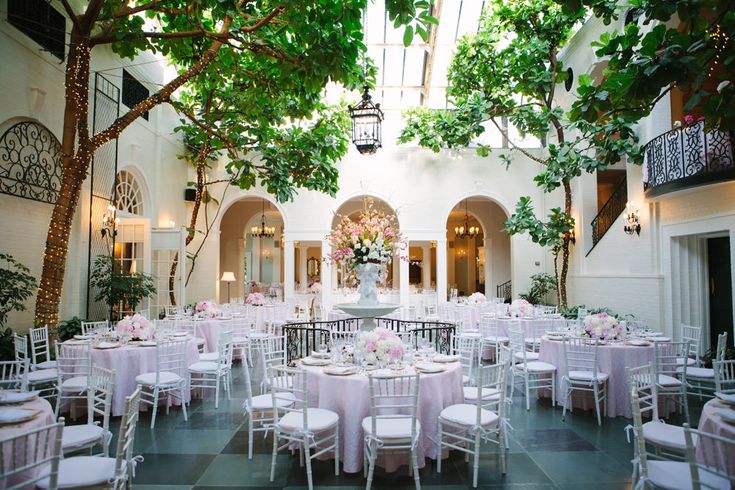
137 327
521 308
603 327
206 309
255 299
366 244
380 346
476 299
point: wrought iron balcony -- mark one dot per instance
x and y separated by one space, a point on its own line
609 213
687 157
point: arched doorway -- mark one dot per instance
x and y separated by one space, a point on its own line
251 246
478 250
343 278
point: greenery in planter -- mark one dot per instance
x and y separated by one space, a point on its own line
115 287
541 285
572 312
69 328
16 286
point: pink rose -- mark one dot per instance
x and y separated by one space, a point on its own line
371 346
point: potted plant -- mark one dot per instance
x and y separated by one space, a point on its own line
119 290
16 286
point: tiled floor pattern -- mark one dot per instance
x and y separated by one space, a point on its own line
546 452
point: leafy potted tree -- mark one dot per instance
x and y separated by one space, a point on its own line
120 291
16 286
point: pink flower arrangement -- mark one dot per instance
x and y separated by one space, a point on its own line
372 237
689 119
380 346
603 327
206 309
255 299
521 308
137 327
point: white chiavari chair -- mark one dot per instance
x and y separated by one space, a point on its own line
667 440
313 429
168 379
343 337
30 458
211 374
190 327
40 349
145 313
74 363
724 376
431 313
393 425
693 335
466 425
95 328
113 473
14 375
241 329
99 403
173 311
468 350
582 374
671 372
272 354
491 336
701 380
534 373
42 379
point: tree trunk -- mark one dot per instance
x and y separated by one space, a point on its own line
565 248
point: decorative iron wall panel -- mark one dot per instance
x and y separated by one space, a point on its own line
30 162
106 97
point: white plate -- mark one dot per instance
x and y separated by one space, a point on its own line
653 334
16 415
107 345
445 358
147 343
82 337
661 339
318 355
726 398
179 334
428 367
340 370
639 343
727 415
310 361
11 397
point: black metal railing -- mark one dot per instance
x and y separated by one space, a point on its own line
686 157
504 291
302 340
609 213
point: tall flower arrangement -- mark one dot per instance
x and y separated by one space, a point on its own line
380 346
372 238
603 327
206 309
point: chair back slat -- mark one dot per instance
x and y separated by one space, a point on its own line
693 335
724 376
23 457
14 375
40 349
99 395
95 328
710 458
641 381
126 437
394 397
171 357
581 355
670 358
73 359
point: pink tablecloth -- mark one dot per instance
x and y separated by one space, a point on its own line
612 360
128 362
712 423
348 396
45 417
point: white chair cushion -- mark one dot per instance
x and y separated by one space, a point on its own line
470 393
466 414
240 340
668 381
496 339
46 365
530 356
166 378
537 367
690 361
675 474
265 402
77 383
76 436
465 379
83 471
586 376
697 372
42 375
204 367
318 419
398 428
209 356
532 340
665 435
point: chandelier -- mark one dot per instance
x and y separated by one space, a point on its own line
465 230
263 231
366 118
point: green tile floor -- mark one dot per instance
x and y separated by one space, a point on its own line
210 451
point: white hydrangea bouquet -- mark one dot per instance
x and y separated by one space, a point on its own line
602 326
520 308
476 299
206 309
135 327
380 346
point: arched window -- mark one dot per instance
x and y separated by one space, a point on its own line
30 162
128 194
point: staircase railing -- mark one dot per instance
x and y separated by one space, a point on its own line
504 291
609 213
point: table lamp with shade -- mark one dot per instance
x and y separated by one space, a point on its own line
228 277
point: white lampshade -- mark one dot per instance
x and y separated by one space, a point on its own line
228 277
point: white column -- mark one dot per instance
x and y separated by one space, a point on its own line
257 259
489 286
441 270
426 266
288 269
396 284
403 282
302 267
326 277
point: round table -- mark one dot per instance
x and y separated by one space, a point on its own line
612 359
528 325
45 417
712 423
128 362
349 397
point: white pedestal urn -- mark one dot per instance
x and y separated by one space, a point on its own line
367 307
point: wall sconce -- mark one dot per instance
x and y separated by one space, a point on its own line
632 221
266 254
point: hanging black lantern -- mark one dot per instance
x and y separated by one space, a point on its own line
366 120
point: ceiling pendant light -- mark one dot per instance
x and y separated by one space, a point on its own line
465 230
263 231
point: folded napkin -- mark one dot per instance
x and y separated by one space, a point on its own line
445 358
341 370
